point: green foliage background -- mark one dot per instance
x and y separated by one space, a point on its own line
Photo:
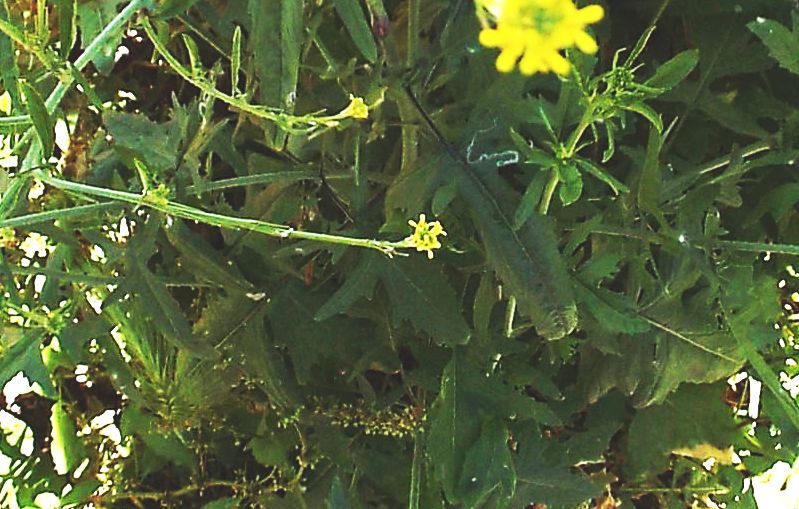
615 242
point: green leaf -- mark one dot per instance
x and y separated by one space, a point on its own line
360 283
138 137
172 8
420 294
613 312
195 63
783 45
545 477
530 199
460 438
488 467
236 323
67 25
42 121
649 185
669 74
235 61
648 113
93 17
67 448
526 260
589 167
418 290
354 18
338 495
571 183
25 355
276 42
694 415
165 311
203 261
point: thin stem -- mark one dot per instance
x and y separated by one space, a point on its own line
223 221
289 123
58 214
549 191
569 151
91 51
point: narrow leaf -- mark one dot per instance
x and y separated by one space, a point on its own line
354 18
42 121
672 72
235 61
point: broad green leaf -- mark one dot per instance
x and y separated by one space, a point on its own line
204 262
165 311
485 299
694 415
67 448
275 42
669 74
25 355
352 14
488 467
783 45
360 283
459 436
571 183
236 323
526 260
138 137
342 341
420 294
612 311
42 121
443 197
548 481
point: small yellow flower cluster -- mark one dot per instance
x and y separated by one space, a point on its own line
357 109
425 235
384 422
7 157
532 33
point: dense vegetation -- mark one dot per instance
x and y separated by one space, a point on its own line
213 296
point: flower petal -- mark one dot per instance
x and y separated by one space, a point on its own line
591 14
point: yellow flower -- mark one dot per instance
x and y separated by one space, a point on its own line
532 33
355 109
5 103
425 235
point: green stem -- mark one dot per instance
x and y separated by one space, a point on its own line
91 51
223 221
58 214
299 124
569 151
549 191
